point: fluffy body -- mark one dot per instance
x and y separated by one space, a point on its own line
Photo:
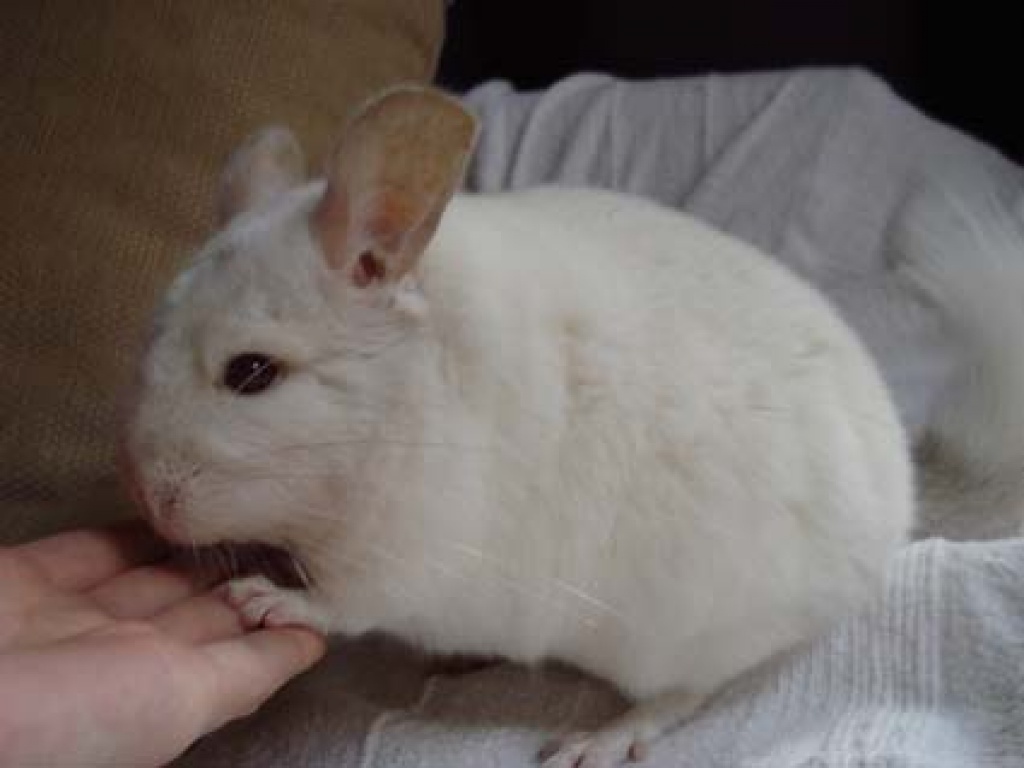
583 427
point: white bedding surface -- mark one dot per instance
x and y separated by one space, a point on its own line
812 166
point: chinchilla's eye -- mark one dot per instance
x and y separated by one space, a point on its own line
251 373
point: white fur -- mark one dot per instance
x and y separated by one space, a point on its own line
584 427
966 258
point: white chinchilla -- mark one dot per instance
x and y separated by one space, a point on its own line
555 423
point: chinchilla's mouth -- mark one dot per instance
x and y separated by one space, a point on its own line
232 559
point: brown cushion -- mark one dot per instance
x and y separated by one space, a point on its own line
116 119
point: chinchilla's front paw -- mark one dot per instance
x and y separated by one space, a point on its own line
264 604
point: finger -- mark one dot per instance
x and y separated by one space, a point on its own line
83 559
203 619
247 670
146 591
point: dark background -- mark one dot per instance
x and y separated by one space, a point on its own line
960 62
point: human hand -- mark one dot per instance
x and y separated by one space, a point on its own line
109 657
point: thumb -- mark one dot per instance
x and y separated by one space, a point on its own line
248 669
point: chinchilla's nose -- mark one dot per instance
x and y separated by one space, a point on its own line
157 487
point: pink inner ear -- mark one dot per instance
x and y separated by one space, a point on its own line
390 215
372 241
368 269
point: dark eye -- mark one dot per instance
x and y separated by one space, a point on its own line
251 373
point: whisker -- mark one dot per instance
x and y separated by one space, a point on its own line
303 574
509 581
361 441
588 598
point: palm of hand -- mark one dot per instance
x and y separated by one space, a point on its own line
111 658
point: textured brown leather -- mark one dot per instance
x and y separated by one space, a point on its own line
117 116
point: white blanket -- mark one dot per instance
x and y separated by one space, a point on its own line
812 167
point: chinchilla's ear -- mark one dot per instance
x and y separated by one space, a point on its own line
390 179
269 163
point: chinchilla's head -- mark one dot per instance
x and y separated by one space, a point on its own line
281 352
